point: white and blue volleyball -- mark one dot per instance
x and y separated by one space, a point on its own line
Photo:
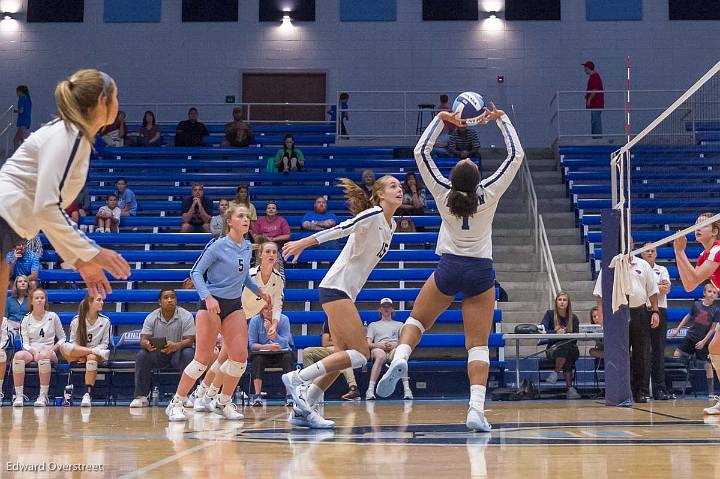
470 106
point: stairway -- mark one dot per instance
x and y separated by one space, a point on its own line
516 268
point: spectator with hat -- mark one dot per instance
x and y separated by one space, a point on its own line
382 337
594 98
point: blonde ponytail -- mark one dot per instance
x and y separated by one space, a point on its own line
77 96
356 197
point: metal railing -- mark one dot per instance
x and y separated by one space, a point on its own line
543 254
571 120
6 124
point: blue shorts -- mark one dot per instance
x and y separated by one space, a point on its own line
328 295
470 276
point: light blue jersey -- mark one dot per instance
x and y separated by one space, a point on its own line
223 269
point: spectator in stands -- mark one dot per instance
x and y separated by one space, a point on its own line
89 342
242 198
444 103
594 98
217 222
24 115
237 132
658 336
42 335
368 180
272 226
414 201
704 318
344 117
270 346
79 207
382 337
289 158
107 218
197 211
116 133
314 354
564 354
644 291
18 304
126 198
191 132
319 218
149 134
464 143
167 339
24 262
598 351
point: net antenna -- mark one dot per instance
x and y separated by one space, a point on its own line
677 125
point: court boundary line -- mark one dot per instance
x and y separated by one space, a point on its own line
662 414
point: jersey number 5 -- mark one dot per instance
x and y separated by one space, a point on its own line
383 250
241 265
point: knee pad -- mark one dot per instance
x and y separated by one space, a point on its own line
67 348
44 366
195 369
215 367
715 360
233 368
357 359
415 323
3 356
18 366
91 365
479 353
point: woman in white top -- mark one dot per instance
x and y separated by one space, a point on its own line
272 283
47 172
89 341
4 341
370 233
467 205
42 334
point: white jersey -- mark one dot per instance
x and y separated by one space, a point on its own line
37 334
252 303
661 274
469 236
4 333
370 236
98 334
40 180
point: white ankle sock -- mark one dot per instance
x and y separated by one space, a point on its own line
406 383
477 396
403 351
200 390
212 391
312 372
179 399
371 386
44 390
314 394
223 399
19 391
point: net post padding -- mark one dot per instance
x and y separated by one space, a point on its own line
616 325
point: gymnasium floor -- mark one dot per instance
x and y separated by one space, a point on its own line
384 439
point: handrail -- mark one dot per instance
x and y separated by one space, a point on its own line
528 187
554 286
6 130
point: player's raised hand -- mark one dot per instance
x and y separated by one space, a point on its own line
491 115
452 118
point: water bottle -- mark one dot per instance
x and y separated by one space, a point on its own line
67 396
156 396
237 397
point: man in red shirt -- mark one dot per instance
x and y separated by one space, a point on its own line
594 98
272 226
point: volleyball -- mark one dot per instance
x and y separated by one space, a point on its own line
470 106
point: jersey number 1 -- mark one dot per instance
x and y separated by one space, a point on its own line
466 223
383 250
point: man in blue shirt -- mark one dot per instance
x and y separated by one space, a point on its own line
126 198
320 219
24 262
271 346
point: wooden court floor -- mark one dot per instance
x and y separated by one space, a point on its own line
539 439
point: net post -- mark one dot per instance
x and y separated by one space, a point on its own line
616 326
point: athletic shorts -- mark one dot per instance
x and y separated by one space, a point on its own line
328 295
8 238
687 346
470 276
227 306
